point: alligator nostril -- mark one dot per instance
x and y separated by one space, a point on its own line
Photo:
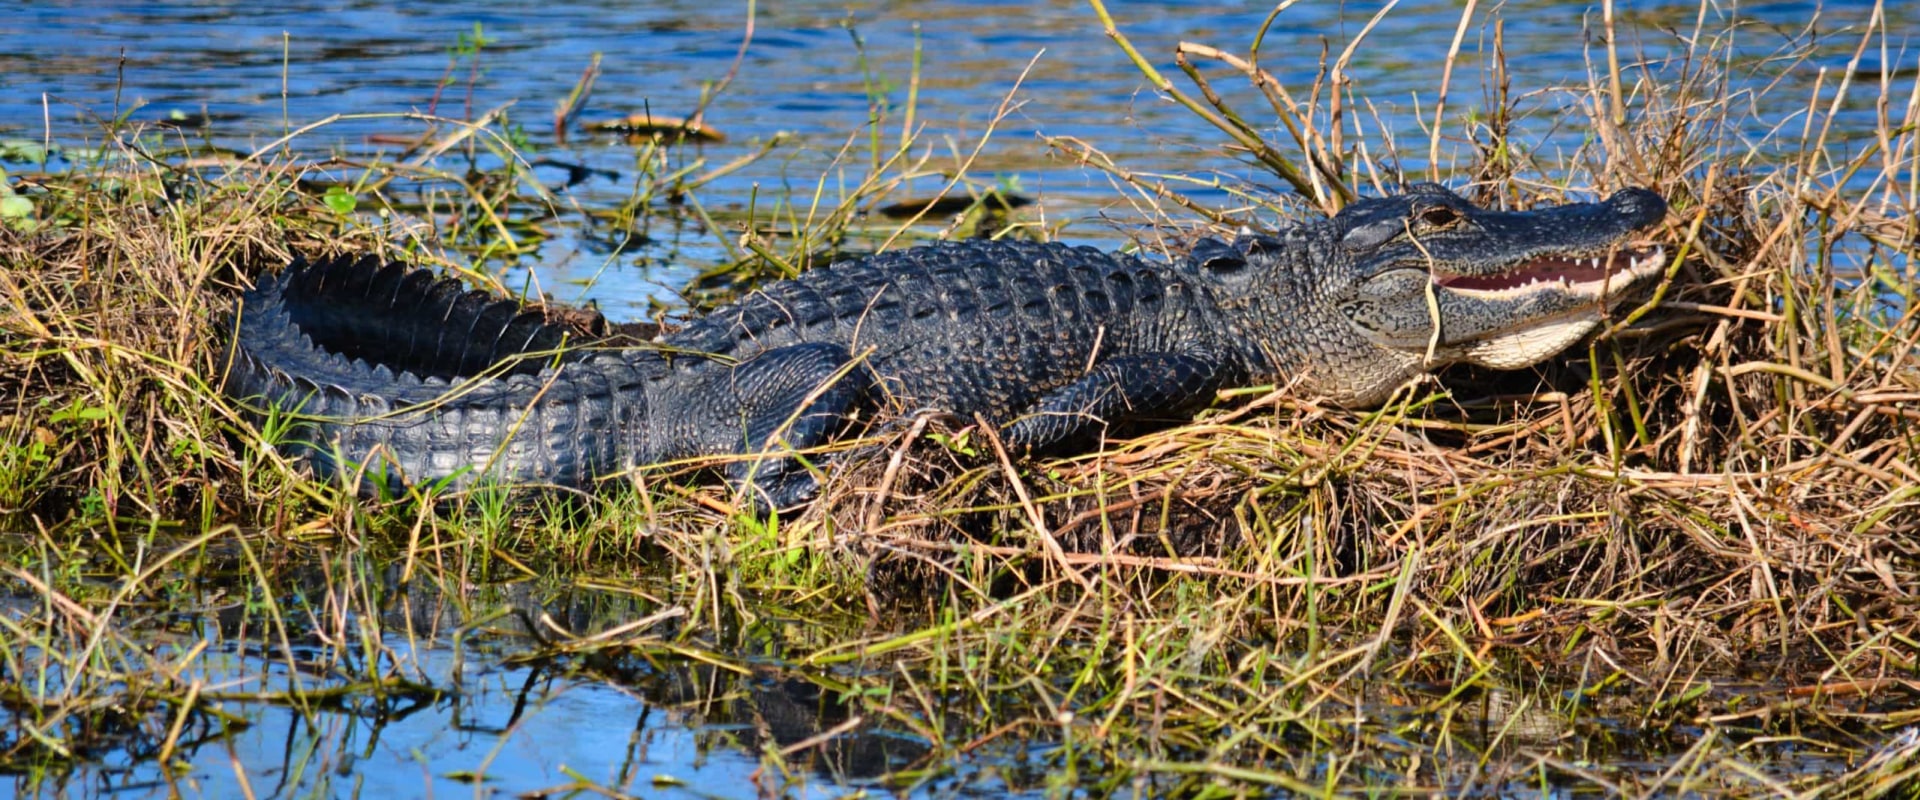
1645 207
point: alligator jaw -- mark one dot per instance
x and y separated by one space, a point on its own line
1594 276
1588 282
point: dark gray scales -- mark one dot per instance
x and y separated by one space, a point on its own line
409 379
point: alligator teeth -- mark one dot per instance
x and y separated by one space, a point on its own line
1593 276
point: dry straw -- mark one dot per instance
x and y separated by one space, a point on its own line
1705 519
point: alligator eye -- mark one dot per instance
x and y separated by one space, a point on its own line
1372 235
1218 257
1434 218
1225 265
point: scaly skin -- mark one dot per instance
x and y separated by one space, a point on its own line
388 370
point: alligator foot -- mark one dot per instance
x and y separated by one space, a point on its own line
1126 388
785 400
776 487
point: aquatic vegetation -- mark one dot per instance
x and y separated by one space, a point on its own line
1683 563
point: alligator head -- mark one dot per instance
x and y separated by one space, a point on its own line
1432 279
1396 286
1438 276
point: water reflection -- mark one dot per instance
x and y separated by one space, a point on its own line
453 686
816 70
465 697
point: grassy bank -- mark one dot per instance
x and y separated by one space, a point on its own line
1681 558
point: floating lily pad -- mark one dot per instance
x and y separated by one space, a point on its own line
15 210
650 124
183 118
24 151
340 199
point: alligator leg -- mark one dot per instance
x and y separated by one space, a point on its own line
1120 389
786 399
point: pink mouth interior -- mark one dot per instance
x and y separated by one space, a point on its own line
1543 270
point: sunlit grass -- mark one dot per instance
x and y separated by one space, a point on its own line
1679 560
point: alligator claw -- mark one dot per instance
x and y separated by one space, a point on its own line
763 494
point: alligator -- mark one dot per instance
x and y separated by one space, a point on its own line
396 378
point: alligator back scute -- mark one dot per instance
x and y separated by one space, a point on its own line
412 321
340 349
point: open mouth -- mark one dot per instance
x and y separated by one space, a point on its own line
1588 274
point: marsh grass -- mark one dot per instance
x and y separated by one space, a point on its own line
1678 560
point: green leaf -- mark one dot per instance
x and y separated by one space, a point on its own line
80 412
14 208
340 200
23 150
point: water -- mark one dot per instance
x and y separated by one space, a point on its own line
478 702
663 725
256 70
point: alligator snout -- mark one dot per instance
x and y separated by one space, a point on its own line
1643 206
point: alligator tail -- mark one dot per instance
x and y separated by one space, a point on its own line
392 378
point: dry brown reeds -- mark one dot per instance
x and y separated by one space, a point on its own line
1701 526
